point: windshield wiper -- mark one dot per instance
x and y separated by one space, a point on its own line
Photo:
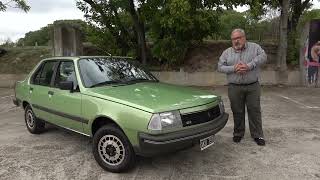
140 80
105 83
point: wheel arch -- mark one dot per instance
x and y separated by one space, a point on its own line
100 121
24 104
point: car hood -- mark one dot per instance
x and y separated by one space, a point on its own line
153 96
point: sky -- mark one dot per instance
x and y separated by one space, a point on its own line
15 23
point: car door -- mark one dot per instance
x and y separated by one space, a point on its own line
39 89
66 104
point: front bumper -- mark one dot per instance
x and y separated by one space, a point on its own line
16 101
150 145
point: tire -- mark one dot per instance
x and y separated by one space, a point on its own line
112 149
34 125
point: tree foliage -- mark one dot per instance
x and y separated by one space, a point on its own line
306 17
170 25
229 20
40 37
7 43
110 20
43 36
20 4
176 24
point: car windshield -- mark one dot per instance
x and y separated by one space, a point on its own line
112 71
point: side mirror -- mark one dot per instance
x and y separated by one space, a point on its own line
66 85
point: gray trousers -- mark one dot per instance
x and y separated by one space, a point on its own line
241 96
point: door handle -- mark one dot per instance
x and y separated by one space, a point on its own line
50 93
30 90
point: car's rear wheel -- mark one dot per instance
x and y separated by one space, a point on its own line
34 125
112 149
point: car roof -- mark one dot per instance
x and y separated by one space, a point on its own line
81 57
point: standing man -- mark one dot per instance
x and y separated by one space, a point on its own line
241 63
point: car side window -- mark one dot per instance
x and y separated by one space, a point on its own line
43 76
36 75
66 72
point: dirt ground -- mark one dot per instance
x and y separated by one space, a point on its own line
291 121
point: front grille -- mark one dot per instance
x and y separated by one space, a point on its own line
200 117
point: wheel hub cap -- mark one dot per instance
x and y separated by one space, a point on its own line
30 119
111 150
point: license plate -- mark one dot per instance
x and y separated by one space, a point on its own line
206 142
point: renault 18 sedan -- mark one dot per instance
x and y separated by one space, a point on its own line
122 106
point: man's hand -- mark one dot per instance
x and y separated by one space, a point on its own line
241 68
236 67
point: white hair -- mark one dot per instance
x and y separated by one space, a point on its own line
239 30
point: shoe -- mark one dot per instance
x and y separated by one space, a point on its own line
260 141
237 139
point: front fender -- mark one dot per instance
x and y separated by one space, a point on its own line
129 119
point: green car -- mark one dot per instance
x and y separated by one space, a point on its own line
125 109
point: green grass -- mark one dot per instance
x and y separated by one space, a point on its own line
22 59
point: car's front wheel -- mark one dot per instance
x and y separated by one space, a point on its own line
112 149
34 125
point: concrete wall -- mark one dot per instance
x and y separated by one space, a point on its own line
8 80
66 40
185 78
215 78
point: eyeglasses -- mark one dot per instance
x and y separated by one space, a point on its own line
236 38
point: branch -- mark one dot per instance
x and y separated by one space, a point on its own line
305 4
105 19
118 21
21 4
107 22
7 3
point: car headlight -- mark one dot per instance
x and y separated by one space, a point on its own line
221 105
165 120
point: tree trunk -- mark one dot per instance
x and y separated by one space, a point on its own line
282 45
298 7
120 24
139 28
